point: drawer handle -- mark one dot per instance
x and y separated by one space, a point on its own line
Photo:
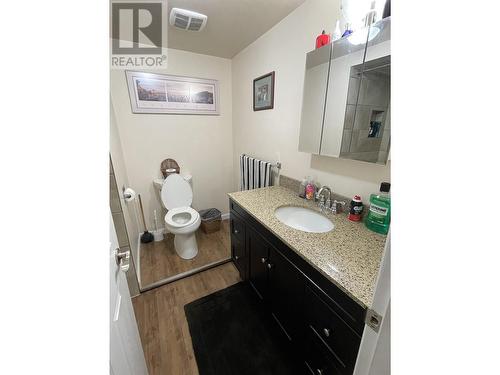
236 257
319 371
236 231
263 260
326 332
269 265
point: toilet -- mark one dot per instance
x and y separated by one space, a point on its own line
181 220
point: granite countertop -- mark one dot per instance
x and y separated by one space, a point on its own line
349 255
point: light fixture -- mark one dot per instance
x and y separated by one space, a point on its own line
354 12
362 13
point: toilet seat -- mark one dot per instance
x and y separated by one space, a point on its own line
176 192
181 217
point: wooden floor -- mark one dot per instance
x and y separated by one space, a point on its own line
162 323
159 259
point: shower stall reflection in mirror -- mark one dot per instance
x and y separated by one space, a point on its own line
366 131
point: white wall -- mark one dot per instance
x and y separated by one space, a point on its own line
202 145
270 133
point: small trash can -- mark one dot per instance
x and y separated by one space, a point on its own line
210 220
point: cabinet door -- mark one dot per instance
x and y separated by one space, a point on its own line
239 257
286 290
238 251
237 226
258 250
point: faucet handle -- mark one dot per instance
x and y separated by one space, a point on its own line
337 206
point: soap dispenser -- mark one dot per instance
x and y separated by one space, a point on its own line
310 189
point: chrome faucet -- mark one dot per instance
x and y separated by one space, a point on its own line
334 207
321 197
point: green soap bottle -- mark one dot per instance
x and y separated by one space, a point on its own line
379 213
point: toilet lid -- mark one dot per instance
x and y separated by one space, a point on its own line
176 192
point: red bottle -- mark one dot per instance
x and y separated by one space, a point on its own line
322 40
356 209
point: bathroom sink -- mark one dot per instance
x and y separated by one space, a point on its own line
303 219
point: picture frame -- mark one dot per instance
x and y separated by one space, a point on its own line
263 92
169 94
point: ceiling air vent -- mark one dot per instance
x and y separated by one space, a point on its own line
187 20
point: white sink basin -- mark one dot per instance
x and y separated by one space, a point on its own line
303 219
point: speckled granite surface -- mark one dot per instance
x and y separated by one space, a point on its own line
349 255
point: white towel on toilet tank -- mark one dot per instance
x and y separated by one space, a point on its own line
254 173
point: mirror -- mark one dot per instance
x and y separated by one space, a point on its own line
343 84
316 80
366 131
356 115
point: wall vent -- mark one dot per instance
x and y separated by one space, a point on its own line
187 19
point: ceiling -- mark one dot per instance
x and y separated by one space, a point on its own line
232 24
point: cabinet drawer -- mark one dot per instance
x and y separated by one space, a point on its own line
338 338
317 359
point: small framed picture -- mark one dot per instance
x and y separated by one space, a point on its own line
263 92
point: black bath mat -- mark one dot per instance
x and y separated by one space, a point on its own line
233 335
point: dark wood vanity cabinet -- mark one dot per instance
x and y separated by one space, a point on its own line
322 323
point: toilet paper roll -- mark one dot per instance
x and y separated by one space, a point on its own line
129 195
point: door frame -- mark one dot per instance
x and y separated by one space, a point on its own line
126 354
375 342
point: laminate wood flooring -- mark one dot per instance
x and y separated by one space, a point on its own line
160 261
162 323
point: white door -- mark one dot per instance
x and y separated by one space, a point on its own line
375 349
126 355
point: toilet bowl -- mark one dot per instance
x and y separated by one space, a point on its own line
180 220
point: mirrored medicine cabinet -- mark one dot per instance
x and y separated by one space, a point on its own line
346 101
